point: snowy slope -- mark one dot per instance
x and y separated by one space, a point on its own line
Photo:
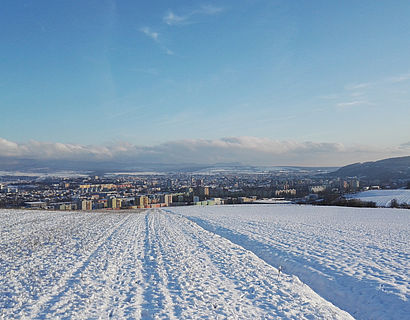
139 265
358 259
382 198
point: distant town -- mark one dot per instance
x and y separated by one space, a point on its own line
152 190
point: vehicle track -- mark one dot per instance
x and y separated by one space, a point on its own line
69 285
145 265
209 276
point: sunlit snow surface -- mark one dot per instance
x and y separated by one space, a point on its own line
383 198
359 259
216 262
139 265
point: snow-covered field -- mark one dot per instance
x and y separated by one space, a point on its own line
358 259
139 265
206 262
383 198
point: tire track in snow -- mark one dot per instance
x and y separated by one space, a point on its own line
157 302
154 265
211 277
112 280
73 276
132 271
34 257
202 288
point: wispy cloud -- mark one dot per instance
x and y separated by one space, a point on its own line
173 19
168 51
399 78
353 103
155 37
358 86
366 93
209 10
377 83
151 34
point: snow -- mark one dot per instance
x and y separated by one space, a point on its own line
147 264
356 258
382 198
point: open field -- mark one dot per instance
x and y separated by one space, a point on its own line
358 259
216 262
383 198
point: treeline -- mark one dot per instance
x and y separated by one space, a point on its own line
342 202
395 204
335 200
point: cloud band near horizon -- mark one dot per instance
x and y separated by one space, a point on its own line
245 150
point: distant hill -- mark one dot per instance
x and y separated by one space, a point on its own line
39 165
383 170
128 165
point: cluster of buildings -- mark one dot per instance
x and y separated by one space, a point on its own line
133 191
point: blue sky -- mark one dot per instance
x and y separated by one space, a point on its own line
103 74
